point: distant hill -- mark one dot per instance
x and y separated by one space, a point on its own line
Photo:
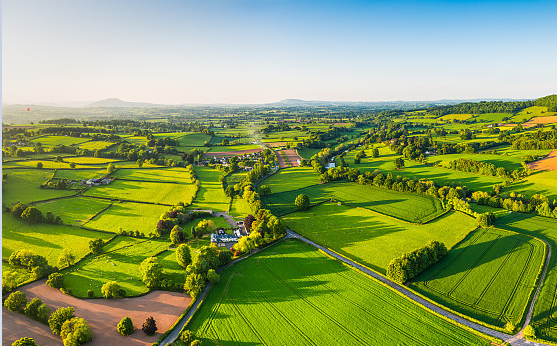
115 102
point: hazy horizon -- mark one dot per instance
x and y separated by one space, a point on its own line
253 52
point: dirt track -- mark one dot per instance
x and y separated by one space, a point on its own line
103 316
233 153
548 163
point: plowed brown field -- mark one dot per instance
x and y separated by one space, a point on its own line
548 163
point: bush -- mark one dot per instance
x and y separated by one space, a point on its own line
43 312
75 332
187 337
32 215
58 317
529 332
90 293
96 246
183 255
195 283
149 326
302 202
18 209
55 280
151 269
32 307
24 342
111 290
16 301
125 327
176 235
42 271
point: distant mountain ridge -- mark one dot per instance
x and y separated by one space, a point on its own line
116 102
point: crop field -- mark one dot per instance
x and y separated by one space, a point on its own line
50 141
129 216
175 174
312 299
545 309
74 210
44 239
406 206
119 263
144 191
373 239
210 194
292 179
489 276
23 185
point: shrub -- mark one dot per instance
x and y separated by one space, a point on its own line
43 312
183 255
149 326
125 327
32 215
24 342
151 269
176 235
111 290
529 332
15 301
302 202
55 280
18 209
58 317
39 272
32 307
96 246
90 293
75 332
187 337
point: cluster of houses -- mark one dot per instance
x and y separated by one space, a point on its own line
96 182
229 240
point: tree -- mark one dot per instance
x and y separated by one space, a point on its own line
248 221
110 168
302 202
375 152
530 332
149 326
229 191
183 255
152 272
90 293
399 163
225 142
32 307
58 317
55 280
18 209
39 165
176 235
66 258
187 337
75 332
195 283
43 312
140 162
125 327
15 301
27 259
265 190
72 165
96 246
205 226
212 276
111 290
32 215
24 342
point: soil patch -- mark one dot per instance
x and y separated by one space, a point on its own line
103 316
293 157
542 120
548 163
275 144
233 153
282 162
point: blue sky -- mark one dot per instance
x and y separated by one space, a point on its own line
263 51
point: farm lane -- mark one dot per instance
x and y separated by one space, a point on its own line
516 340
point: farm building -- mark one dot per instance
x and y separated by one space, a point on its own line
226 240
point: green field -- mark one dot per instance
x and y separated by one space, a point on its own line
210 194
80 174
544 182
94 145
23 185
489 276
46 240
530 112
163 193
175 174
291 294
47 164
292 179
406 206
129 216
545 309
307 153
75 210
119 263
373 239
50 141
239 147
90 160
239 207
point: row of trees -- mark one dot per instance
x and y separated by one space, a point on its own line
34 215
407 266
538 203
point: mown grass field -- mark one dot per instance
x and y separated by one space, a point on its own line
46 240
489 276
50 141
119 263
129 216
239 147
307 153
406 206
239 207
80 174
175 174
23 185
544 182
95 145
544 318
47 164
210 194
90 160
292 179
373 239
144 191
75 210
291 294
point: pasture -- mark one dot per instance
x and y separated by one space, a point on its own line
373 239
292 294
129 216
239 207
50 141
210 194
489 276
119 262
292 179
80 174
95 145
544 182
74 210
174 174
90 160
406 206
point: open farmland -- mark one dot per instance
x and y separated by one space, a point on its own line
292 179
50 141
75 210
239 207
95 145
544 182
23 185
129 216
548 163
90 160
119 263
373 239
313 299
210 194
406 206
173 175
489 276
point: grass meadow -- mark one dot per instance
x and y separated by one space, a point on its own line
292 179
373 239
50 141
239 207
175 174
129 216
210 194
489 276
544 182
75 210
292 294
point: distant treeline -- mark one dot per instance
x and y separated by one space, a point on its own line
482 107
